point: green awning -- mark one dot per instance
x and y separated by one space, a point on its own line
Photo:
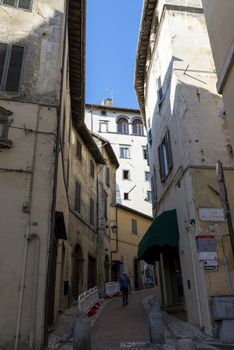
163 232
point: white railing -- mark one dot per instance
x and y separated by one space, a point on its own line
112 288
88 301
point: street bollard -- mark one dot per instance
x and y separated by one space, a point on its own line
156 328
81 332
185 344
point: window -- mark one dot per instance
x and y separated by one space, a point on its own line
78 197
165 157
122 125
11 61
21 4
91 211
149 196
137 127
154 188
103 112
4 127
105 204
91 168
147 175
144 152
126 174
79 150
103 126
108 176
124 152
134 227
126 195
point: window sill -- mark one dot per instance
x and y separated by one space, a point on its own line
5 144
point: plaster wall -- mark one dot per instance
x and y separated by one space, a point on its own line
137 165
26 194
40 31
128 242
199 136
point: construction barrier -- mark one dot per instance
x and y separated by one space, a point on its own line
112 289
88 301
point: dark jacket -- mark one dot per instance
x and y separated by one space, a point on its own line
124 282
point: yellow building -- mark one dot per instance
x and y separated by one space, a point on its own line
130 228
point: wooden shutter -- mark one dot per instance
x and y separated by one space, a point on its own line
24 4
161 162
3 50
14 69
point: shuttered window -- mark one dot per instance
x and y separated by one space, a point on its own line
91 211
134 226
21 4
165 156
11 61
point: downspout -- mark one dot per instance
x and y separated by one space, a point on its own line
54 193
26 244
116 235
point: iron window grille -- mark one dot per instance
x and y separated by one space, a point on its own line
20 4
11 62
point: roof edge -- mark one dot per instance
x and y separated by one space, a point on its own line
134 211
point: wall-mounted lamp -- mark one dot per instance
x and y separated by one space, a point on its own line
114 228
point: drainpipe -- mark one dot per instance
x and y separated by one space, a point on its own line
26 242
54 193
116 236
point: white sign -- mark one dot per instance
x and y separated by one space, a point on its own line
207 255
211 214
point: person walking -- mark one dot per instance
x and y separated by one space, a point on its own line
124 284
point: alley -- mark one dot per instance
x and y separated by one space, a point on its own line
118 324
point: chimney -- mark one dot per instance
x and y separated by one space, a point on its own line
107 102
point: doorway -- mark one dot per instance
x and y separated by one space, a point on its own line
77 272
92 273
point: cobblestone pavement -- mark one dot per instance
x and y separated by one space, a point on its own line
118 324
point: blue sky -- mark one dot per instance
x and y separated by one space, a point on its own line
112 34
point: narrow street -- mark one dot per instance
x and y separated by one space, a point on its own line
118 324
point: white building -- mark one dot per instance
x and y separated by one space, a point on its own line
124 129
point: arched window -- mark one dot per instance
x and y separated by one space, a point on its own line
122 125
137 127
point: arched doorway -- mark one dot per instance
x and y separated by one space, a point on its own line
116 270
77 272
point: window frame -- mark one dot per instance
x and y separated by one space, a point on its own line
147 176
128 174
125 150
144 150
16 5
134 226
127 196
4 121
149 196
122 128
139 127
101 122
107 176
6 66
165 156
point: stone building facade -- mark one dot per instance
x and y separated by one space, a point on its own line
187 134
